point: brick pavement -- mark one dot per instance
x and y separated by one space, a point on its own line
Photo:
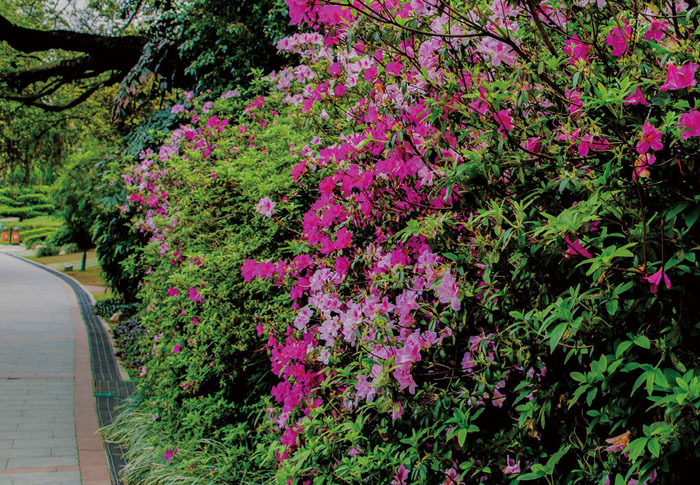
39 388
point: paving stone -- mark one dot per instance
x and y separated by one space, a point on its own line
52 478
43 461
52 443
25 453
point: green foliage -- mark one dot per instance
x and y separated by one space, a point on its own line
208 398
73 193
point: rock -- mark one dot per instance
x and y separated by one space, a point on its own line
68 267
61 252
116 318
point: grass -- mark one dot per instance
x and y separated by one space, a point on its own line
90 277
65 258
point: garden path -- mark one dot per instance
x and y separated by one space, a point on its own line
48 421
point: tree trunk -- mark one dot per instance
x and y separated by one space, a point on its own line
82 265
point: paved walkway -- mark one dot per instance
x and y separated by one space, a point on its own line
48 422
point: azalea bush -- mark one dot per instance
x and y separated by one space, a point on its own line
470 257
491 283
203 374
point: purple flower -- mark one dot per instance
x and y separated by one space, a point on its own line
177 348
172 291
168 455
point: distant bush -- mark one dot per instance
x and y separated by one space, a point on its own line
34 199
47 250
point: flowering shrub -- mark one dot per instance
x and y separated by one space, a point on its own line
473 270
491 281
201 368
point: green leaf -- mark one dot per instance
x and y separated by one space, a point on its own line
636 447
556 335
654 447
643 342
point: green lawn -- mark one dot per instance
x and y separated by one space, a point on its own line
90 277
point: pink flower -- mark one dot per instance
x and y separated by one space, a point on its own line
194 295
636 98
172 291
656 30
400 476
577 50
448 292
655 281
498 51
691 122
168 455
396 410
679 78
651 138
503 120
176 349
452 478
265 207
618 39
512 467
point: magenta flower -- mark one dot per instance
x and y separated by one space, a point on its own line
335 69
651 138
679 78
691 122
577 50
168 455
194 295
394 68
657 30
172 291
400 476
265 207
503 120
655 281
177 348
576 249
636 98
618 39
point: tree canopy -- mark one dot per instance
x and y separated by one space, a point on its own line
56 59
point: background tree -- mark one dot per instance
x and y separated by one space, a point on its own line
73 194
55 62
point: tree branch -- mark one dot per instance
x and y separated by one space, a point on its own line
33 40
